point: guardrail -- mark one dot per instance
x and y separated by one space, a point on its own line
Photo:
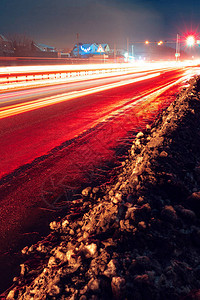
32 74
18 77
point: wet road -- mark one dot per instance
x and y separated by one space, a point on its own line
55 114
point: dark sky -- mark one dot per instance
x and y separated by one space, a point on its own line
56 22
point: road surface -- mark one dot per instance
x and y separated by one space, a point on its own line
55 114
62 138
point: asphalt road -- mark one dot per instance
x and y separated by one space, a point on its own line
32 134
53 150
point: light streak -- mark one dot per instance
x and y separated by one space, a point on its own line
139 66
45 101
68 68
21 77
19 95
57 81
35 104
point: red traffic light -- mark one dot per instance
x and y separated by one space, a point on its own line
190 40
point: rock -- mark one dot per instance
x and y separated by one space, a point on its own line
130 213
94 284
95 190
142 280
140 200
31 249
118 195
139 135
24 269
163 154
137 143
60 255
54 290
118 285
54 225
126 226
117 198
11 295
41 248
83 297
25 250
71 232
111 268
65 224
52 261
130 198
169 214
69 254
193 201
117 185
186 214
86 192
142 225
148 127
111 192
90 250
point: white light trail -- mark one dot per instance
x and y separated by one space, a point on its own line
40 103
21 77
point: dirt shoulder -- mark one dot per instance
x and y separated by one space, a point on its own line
137 237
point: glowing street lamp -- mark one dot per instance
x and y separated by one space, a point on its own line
190 41
160 43
146 42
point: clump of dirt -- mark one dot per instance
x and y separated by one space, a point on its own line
137 237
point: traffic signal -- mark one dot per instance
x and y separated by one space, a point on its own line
190 40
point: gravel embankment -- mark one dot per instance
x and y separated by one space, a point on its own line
137 237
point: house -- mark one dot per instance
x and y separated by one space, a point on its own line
45 48
90 49
42 50
106 48
6 47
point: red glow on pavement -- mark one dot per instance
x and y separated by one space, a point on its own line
32 105
34 133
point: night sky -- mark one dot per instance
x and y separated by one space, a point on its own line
56 22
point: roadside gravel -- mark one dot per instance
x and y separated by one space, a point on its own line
137 237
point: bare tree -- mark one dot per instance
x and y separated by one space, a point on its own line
22 44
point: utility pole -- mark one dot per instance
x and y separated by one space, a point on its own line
114 52
77 35
132 51
127 48
177 54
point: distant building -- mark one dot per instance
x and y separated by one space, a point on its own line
6 47
90 49
45 48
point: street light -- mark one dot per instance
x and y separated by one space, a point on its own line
177 54
190 40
